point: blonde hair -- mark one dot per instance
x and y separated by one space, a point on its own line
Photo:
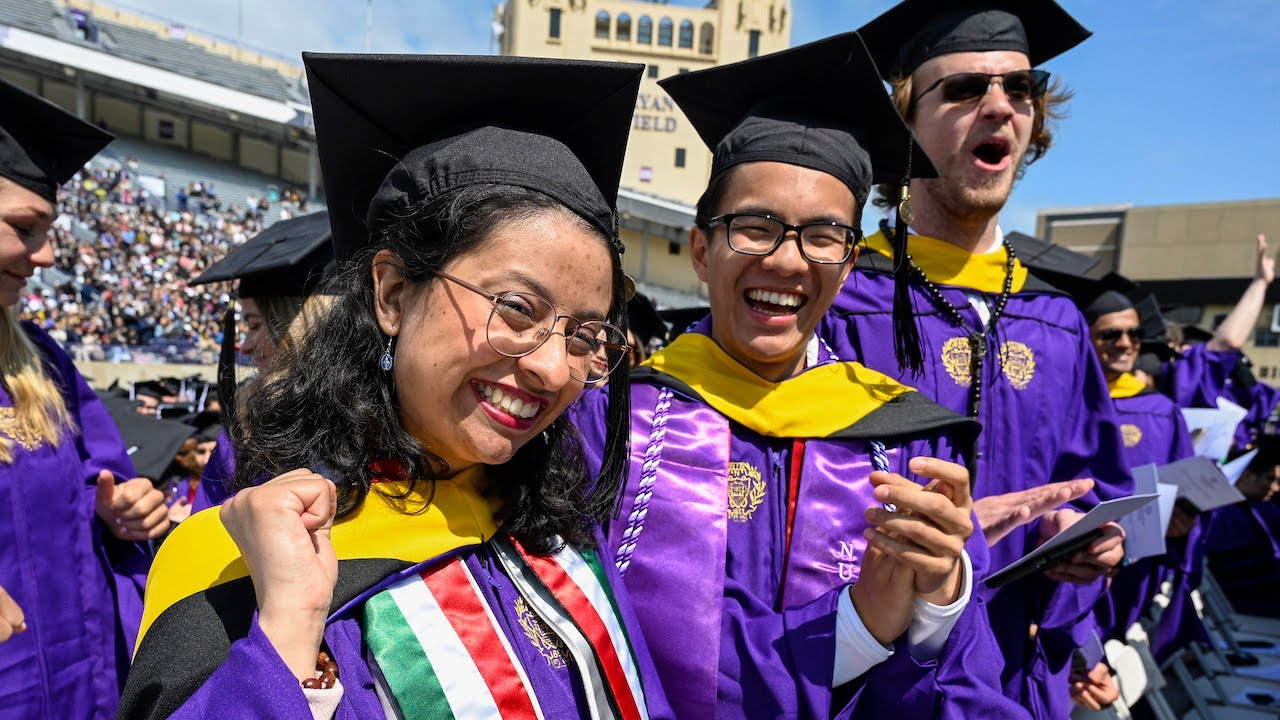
39 414
288 318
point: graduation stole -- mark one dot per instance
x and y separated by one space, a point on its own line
444 653
1126 386
194 611
671 538
946 264
817 403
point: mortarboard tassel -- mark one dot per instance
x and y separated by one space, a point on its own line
906 330
227 369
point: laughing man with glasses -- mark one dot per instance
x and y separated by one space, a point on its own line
996 343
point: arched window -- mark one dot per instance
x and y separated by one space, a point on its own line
686 34
602 25
706 38
665 27
624 27
644 30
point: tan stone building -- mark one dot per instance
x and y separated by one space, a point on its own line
667 166
1197 257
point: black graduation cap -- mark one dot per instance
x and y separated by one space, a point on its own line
155 388
681 319
1114 292
206 425
393 130
820 105
151 442
643 320
914 31
42 145
1050 261
1194 334
290 258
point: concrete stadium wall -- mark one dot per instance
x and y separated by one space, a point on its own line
121 117
102 374
295 167
259 155
21 79
212 141
152 121
61 94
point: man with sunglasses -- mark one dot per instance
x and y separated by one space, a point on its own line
1154 432
970 328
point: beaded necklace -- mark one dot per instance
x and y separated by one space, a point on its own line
977 338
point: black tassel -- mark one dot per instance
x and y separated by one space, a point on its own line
906 329
227 370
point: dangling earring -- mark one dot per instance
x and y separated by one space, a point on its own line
387 360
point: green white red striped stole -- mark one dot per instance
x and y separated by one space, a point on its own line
444 654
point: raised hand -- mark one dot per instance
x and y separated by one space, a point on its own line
999 515
1265 269
133 510
928 528
282 529
11 618
1103 557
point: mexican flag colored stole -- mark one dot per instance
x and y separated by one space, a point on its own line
444 654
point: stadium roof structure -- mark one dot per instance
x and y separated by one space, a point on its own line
43 29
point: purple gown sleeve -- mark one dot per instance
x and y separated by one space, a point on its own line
218 474
1199 377
253 682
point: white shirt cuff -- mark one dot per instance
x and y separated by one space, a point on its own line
931 624
324 703
856 650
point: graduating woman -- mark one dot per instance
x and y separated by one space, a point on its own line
482 291
75 520
279 272
760 461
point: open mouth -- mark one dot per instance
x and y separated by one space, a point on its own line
993 153
772 302
510 402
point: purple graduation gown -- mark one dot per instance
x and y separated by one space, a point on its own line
1243 549
1155 433
254 682
739 627
1201 376
215 482
1047 416
79 587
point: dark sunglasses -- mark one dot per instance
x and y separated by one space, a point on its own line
1114 334
1019 86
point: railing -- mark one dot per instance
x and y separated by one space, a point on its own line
158 352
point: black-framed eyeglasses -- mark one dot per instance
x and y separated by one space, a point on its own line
521 322
1019 86
1114 334
824 243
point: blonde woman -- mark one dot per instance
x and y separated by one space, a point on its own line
75 520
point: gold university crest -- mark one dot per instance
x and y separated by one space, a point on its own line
746 491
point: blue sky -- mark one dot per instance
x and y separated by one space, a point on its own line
1176 100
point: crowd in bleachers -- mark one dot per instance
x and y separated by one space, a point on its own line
126 258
